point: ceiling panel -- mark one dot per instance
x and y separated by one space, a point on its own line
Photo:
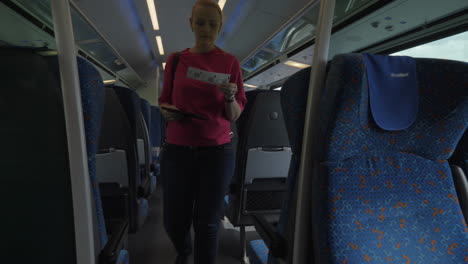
248 24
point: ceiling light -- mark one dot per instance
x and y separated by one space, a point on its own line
277 89
296 64
108 81
164 65
221 3
249 85
154 16
160 45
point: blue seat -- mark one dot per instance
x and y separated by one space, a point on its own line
92 97
36 195
389 196
257 252
293 103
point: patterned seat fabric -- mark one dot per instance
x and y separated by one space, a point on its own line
92 97
258 252
390 195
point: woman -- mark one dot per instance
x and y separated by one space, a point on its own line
198 159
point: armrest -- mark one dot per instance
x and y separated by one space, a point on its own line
461 185
118 231
275 242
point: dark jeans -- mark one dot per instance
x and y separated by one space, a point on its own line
195 180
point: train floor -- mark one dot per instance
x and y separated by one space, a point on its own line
151 245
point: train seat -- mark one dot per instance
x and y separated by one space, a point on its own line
262 159
275 238
130 103
36 184
390 124
113 233
146 112
118 162
155 138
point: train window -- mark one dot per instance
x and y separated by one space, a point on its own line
451 48
284 41
91 44
305 31
344 8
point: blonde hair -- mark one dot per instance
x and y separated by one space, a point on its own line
208 3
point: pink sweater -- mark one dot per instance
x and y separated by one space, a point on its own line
201 98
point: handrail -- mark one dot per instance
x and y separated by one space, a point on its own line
307 168
80 181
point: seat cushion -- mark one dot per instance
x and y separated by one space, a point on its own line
394 207
257 252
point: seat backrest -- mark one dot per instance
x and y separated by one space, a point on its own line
390 195
36 195
262 158
146 111
293 104
262 138
92 97
131 105
261 123
155 127
116 133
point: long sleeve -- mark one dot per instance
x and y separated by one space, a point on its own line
166 94
236 77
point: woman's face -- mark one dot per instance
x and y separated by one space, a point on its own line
206 24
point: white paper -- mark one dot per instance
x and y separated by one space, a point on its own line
208 77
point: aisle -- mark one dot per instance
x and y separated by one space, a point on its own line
152 246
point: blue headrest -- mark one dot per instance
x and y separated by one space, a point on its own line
440 122
393 90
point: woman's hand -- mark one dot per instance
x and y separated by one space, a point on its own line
229 90
170 116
